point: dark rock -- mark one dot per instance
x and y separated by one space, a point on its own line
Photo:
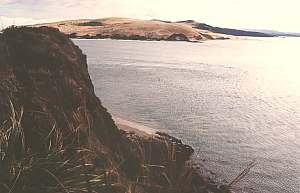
73 35
100 36
85 37
119 37
137 37
178 37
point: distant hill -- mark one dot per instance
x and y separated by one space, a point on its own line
276 33
227 31
135 29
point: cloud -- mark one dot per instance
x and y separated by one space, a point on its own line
8 21
53 8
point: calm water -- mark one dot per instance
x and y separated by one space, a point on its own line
234 101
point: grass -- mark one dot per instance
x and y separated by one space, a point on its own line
90 23
168 175
72 169
55 170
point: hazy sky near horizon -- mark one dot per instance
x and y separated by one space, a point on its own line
252 14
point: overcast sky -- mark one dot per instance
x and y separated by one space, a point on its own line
255 14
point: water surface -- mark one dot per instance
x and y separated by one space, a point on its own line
234 101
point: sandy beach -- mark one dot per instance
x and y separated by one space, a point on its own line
136 128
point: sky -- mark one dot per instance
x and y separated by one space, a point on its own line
243 14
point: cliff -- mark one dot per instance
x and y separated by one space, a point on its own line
55 135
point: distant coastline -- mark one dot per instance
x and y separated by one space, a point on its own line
146 30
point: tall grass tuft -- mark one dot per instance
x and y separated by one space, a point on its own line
56 170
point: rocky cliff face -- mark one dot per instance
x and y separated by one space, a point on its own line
46 74
56 136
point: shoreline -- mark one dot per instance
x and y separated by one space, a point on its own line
133 127
146 133
148 40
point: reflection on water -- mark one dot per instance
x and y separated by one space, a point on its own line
233 101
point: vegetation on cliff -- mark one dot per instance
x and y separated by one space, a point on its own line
56 137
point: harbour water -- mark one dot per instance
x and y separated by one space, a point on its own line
234 101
